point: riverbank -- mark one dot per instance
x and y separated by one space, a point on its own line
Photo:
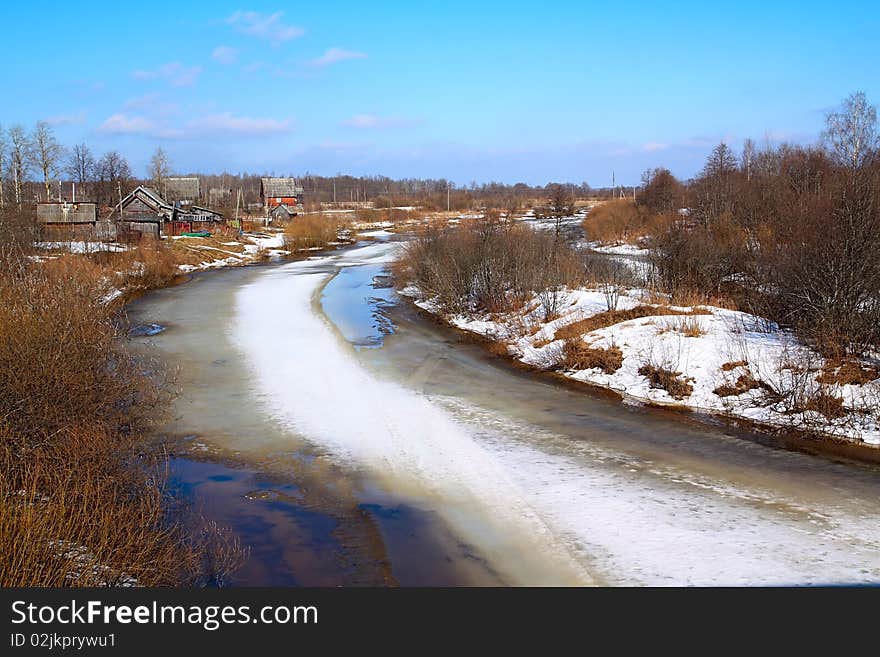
697 359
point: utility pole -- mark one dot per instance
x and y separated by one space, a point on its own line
447 196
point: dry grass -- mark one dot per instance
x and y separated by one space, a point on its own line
612 317
578 355
743 384
82 500
688 326
847 372
311 231
668 380
732 365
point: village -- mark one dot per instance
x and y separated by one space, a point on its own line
171 208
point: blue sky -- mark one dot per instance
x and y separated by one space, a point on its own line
481 91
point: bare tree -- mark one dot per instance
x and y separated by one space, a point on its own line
114 174
561 205
3 155
81 165
159 168
715 186
47 153
661 192
851 132
19 159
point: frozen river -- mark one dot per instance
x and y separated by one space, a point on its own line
380 440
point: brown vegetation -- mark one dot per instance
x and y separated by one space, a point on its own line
82 498
578 355
789 233
490 265
311 231
743 384
668 380
847 372
621 220
612 317
831 406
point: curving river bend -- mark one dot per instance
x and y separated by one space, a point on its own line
349 440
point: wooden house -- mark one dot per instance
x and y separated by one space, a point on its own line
66 221
193 219
180 190
280 191
142 213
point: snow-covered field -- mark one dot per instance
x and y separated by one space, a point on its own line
723 346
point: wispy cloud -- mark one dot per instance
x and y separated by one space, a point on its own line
371 121
335 55
225 54
211 125
126 124
176 73
654 146
264 26
67 119
228 123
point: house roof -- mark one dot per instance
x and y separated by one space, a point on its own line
198 209
286 208
147 194
279 187
178 188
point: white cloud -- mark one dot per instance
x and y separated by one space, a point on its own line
371 121
335 55
654 146
264 26
176 73
125 124
225 54
228 123
67 119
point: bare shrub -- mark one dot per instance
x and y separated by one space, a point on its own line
490 265
82 497
668 380
743 384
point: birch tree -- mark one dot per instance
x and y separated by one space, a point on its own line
47 153
19 160
159 168
851 132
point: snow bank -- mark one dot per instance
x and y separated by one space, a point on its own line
82 247
726 337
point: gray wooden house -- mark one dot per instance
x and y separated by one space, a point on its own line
182 190
73 221
142 213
